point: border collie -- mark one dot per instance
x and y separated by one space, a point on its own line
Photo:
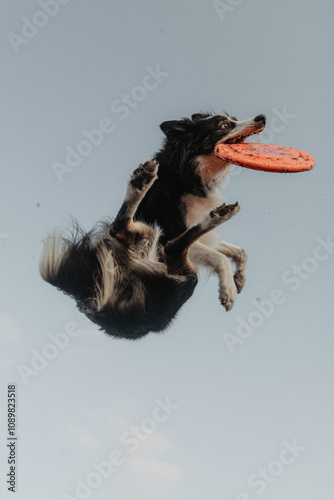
132 275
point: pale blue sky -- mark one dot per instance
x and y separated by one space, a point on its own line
236 389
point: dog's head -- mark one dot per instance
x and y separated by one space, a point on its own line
191 142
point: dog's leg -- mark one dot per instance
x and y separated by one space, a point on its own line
203 256
233 252
177 253
140 182
239 257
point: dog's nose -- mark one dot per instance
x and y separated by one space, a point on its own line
260 119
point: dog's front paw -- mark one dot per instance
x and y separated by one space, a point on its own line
227 297
144 176
224 212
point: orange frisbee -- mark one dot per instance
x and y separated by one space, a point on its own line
267 157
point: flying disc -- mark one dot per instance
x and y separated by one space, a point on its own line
266 157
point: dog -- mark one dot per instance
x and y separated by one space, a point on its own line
131 276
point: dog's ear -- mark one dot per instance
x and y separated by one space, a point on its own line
199 116
176 127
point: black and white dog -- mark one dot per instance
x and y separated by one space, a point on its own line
132 275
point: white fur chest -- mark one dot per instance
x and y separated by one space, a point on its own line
197 207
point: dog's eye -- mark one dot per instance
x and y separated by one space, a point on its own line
225 126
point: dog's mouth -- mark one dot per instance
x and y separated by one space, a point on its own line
245 129
241 138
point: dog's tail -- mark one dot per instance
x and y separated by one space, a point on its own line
72 265
51 257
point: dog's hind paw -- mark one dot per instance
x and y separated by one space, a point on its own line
239 280
227 301
144 176
227 298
